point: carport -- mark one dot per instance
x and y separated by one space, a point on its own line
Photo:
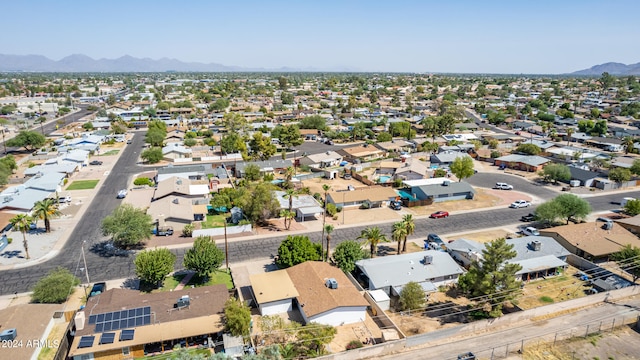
312 211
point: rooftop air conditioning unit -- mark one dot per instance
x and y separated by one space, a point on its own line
184 302
446 183
428 259
536 245
608 225
331 283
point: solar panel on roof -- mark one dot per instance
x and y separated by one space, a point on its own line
86 341
100 318
123 324
139 311
122 319
139 321
147 320
99 327
127 335
124 314
132 313
147 310
131 322
115 325
116 315
107 338
92 319
107 326
108 316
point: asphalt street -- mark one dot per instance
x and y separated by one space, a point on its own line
102 267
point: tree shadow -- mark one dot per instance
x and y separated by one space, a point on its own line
447 312
13 254
384 250
107 249
131 284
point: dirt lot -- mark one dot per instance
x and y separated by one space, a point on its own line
620 344
553 289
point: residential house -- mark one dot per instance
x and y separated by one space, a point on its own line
396 146
568 153
539 256
502 138
39 187
273 292
174 136
321 160
173 151
86 142
192 172
531 163
632 224
361 153
593 241
371 196
586 177
266 167
123 324
608 144
305 206
444 190
388 168
33 324
446 158
580 137
544 145
309 134
325 294
411 170
429 268
186 188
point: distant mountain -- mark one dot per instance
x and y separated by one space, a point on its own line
612 68
83 63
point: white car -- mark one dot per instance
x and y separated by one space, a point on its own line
503 186
519 204
530 231
64 199
122 194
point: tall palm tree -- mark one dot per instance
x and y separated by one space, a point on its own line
45 210
410 225
627 142
373 236
569 133
326 189
399 233
328 229
290 194
21 223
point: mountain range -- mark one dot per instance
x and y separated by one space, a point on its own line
83 63
612 68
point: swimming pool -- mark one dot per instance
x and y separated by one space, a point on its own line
383 179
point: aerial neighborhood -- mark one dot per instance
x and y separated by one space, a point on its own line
301 215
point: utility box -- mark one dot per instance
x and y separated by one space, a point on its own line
9 334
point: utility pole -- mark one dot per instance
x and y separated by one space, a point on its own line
226 244
86 271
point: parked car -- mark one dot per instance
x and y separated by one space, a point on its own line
33 226
64 199
122 194
467 356
347 176
528 218
129 141
439 214
95 162
395 205
165 231
98 288
434 242
503 186
530 231
519 204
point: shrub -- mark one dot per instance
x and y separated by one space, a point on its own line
142 181
546 299
331 209
55 288
339 208
354 344
187 230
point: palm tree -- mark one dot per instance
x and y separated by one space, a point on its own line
290 194
569 133
328 229
628 143
326 189
373 236
45 210
398 233
21 223
407 220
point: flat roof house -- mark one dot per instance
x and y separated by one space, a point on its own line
124 324
361 153
428 268
372 196
305 206
531 163
443 191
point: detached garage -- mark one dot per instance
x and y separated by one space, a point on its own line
273 291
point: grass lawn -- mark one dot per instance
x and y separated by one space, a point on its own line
169 355
213 221
110 152
83 184
217 277
170 283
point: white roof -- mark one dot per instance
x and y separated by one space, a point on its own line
421 182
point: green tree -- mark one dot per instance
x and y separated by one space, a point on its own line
233 143
493 278
153 266
564 207
313 122
628 258
313 338
628 143
235 123
328 228
261 147
632 207
412 296
606 80
204 257
128 226
398 233
383 137
30 140
55 288
22 223
237 317
46 209
282 83
297 249
346 255
289 136
88 126
528 149
152 155
190 142
286 98
556 172
462 167
155 137
373 236
262 204
219 105
619 175
600 128
252 172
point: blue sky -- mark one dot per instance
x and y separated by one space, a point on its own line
483 36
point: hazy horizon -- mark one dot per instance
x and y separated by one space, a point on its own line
488 37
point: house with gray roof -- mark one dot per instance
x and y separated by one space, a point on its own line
305 206
447 157
586 177
191 172
267 166
542 144
539 256
175 150
429 268
445 191
37 188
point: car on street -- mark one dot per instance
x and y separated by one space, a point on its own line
129 141
95 162
122 194
503 186
519 204
528 218
395 205
530 231
439 214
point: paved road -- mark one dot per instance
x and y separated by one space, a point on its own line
102 268
484 344
489 179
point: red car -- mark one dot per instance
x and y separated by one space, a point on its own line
439 214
